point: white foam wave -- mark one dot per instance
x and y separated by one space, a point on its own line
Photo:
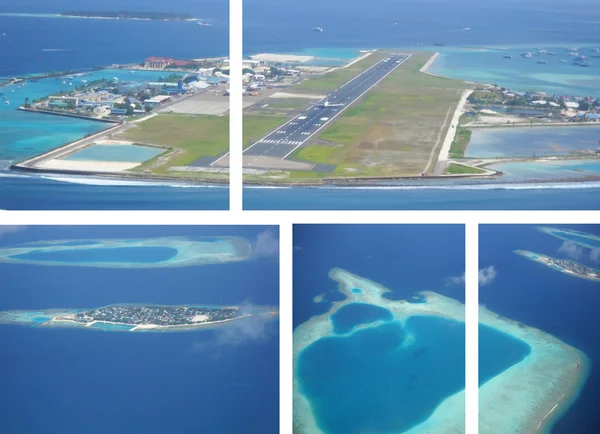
55 49
543 186
122 182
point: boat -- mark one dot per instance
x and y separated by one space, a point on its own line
526 55
542 51
317 29
200 23
507 57
7 102
552 53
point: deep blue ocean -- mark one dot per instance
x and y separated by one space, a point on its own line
558 304
404 259
69 380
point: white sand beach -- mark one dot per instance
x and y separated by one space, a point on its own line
268 57
87 166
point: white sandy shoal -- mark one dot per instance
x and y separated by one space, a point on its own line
297 95
451 133
529 396
269 57
87 166
448 417
358 59
109 142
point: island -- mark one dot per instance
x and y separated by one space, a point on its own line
129 15
139 317
566 266
582 239
158 252
543 374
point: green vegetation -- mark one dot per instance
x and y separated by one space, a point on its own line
392 130
188 137
316 154
459 169
460 142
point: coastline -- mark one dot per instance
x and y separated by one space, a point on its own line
553 370
542 259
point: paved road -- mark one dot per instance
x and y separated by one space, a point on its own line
287 138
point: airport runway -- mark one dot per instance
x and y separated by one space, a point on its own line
281 142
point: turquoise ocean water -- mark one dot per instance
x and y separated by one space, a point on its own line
131 153
531 141
145 255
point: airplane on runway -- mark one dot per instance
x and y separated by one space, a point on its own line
328 104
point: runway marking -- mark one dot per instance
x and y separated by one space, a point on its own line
396 65
297 144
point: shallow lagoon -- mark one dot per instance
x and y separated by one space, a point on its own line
131 253
357 382
547 169
148 254
534 141
487 65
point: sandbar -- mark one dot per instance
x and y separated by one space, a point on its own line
283 58
188 251
582 239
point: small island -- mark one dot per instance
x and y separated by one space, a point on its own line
567 266
128 15
137 317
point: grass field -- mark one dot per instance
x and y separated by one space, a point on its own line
188 138
459 169
460 142
256 127
392 130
